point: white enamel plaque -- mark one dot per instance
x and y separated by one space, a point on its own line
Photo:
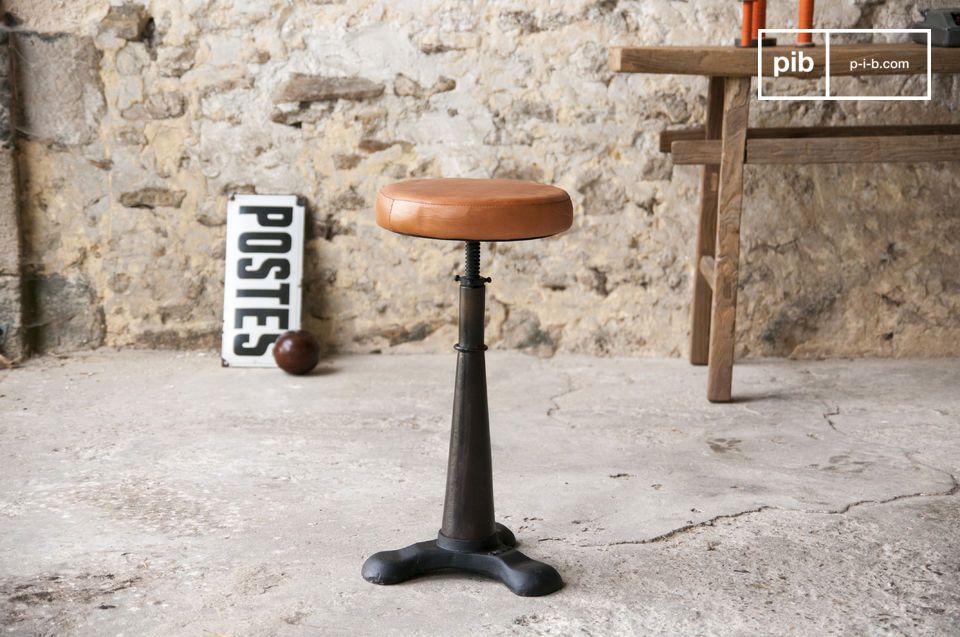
263 276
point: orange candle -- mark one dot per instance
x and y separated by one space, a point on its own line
755 21
759 18
746 30
805 21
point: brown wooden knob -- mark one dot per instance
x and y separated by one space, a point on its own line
296 352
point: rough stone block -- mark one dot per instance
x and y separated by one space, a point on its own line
175 61
405 86
346 162
522 330
132 59
9 218
320 88
60 90
66 314
297 116
160 105
11 317
6 93
153 198
56 16
126 22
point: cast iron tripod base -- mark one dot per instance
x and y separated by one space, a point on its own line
495 558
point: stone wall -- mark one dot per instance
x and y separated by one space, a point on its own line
139 121
11 283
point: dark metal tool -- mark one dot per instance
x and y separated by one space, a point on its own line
944 25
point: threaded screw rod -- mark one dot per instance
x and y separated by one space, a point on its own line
471 262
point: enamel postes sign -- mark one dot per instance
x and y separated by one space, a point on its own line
263 276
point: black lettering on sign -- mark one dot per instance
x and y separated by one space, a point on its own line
240 347
282 294
244 270
263 269
270 216
268 242
282 316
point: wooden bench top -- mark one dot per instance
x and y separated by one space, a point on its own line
730 61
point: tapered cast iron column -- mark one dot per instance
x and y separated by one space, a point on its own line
468 506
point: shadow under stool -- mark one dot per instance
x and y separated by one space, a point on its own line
470 210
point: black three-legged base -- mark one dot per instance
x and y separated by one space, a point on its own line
498 560
469 540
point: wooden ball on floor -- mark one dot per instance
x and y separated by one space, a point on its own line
296 352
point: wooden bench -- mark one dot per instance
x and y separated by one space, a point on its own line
725 144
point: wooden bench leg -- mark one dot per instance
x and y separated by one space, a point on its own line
736 113
706 232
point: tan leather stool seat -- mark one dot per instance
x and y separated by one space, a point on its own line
474 209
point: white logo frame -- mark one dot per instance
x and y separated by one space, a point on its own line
842 98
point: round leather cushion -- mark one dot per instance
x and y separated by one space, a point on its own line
474 209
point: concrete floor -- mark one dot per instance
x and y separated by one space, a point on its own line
154 493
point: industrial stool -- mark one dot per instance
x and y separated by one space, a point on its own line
470 210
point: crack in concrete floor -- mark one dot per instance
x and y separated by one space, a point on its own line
954 490
571 387
555 409
827 415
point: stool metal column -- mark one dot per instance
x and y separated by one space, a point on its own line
468 506
470 539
